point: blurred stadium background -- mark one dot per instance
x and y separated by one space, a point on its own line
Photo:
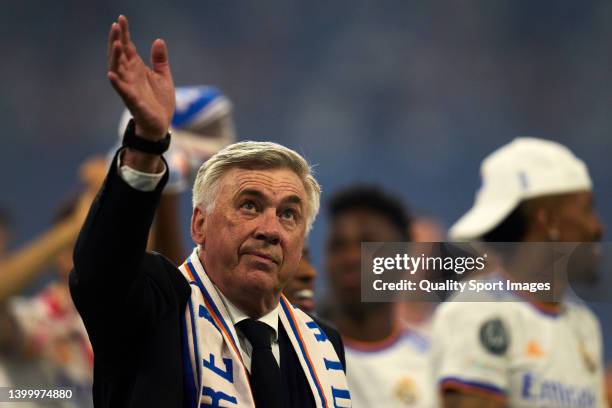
411 95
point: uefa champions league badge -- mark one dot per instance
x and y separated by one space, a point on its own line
494 337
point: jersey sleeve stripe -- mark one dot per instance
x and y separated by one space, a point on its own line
472 387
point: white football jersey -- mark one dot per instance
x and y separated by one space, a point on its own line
520 352
391 373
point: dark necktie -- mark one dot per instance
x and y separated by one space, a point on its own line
265 373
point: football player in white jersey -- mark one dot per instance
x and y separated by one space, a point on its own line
387 364
510 352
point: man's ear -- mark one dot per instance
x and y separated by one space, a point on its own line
198 226
541 217
545 222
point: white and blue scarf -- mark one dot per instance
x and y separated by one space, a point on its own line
215 374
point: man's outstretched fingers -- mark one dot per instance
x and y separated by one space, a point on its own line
159 57
113 35
148 92
125 29
115 57
126 40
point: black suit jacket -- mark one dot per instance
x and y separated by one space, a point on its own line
131 302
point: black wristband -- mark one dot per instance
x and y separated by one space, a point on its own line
133 141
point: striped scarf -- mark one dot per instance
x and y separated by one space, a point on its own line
214 370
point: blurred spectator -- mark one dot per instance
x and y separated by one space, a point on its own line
300 288
42 341
22 266
53 331
415 314
427 229
387 364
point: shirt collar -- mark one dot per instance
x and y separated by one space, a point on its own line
237 315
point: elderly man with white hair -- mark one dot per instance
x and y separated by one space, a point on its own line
216 331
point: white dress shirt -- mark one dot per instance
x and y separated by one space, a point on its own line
137 179
237 315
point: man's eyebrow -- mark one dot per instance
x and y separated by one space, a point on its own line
251 192
292 199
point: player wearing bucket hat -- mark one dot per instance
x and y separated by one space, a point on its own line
513 350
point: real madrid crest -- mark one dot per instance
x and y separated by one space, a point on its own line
405 391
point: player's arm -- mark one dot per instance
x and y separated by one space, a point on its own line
462 400
166 237
21 267
470 355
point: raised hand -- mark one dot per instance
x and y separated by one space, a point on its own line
147 92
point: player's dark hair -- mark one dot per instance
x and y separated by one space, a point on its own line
363 196
512 229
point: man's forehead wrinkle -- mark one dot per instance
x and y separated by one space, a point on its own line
251 181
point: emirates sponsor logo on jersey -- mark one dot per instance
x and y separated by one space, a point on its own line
551 393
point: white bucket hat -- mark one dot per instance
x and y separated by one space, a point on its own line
524 168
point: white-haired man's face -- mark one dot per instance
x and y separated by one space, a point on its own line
252 238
